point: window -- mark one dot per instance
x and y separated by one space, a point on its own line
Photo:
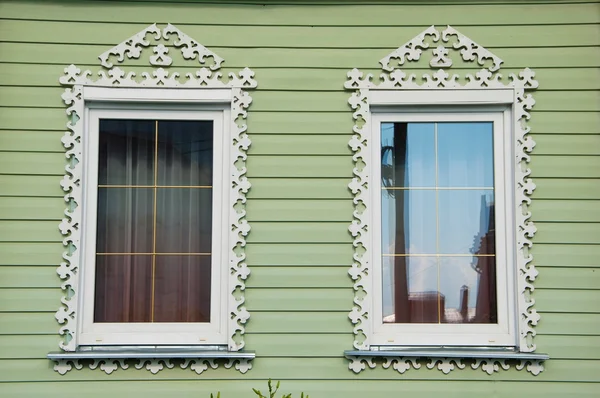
154 261
442 272
155 224
441 185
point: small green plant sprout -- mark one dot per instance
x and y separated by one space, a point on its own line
273 391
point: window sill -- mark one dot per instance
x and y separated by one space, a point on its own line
153 358
446 360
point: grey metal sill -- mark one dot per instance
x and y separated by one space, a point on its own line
447 353
149 352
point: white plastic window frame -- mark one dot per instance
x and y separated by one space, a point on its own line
503 333
397 90
201 89
213 332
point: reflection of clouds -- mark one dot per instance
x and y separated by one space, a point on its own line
454 273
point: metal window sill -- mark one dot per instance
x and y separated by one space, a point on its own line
447 353
151 354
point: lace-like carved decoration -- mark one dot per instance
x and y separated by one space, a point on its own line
111 76
394 78
153 365
445 365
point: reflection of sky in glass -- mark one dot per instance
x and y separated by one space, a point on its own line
455 226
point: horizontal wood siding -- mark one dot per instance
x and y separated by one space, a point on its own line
299 292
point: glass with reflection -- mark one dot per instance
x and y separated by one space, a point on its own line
438 228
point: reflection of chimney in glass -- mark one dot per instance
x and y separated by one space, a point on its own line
464 303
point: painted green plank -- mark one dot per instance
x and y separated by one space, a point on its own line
567 144
32 141
110 34
556 188
316 276
28 323
303 232
565 210
569 324
337 188
560 255
32 163
300 232
313 345
302 369
29 231
265 14
315 388
28 277
295 277
568 278
299 254
298 188
301 101
25 300
548 300
25 186
299 166
64 54
577 233
34 323
308 188
14 208
295 210
33 119
31 253
565 166
304 79
321 144
302 122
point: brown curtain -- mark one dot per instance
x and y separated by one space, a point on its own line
154 221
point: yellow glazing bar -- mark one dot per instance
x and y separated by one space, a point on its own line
153 254
437 188
437 255
154 186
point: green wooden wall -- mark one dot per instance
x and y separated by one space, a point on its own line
299 292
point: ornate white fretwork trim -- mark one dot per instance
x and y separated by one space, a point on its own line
111 76
153 365
394 78
445 365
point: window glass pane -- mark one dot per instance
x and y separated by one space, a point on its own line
139 221
182 289
407 155
126 152
438 229
465 154
125 220
410 291
408 221
469 289
183 220
465 217
123 288
185 152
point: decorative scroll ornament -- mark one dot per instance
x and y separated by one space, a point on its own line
207 77
153 365
490 366
394 78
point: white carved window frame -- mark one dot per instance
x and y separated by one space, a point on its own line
203 90
397 91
